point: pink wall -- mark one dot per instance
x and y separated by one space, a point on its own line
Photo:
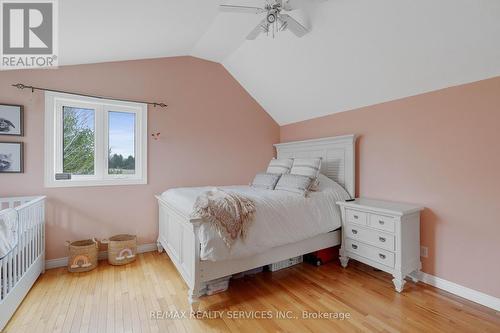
437 149
212 133
440 150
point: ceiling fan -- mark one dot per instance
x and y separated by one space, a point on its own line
274 21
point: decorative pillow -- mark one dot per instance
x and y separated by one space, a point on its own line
309 167
280 165
294 183
265 180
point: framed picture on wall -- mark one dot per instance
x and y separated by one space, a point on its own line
11 157
11 120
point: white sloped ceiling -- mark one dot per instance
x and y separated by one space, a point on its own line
361 53
358 53
93 31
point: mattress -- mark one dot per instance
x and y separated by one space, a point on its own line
281 218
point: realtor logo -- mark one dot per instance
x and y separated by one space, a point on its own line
29 31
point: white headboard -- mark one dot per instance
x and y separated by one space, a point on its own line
337 153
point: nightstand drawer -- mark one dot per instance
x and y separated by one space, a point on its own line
382 222
355 216
370 252
373 237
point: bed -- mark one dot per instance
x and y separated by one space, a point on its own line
200 258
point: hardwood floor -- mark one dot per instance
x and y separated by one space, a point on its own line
121 299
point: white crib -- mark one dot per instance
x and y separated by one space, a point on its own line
22 266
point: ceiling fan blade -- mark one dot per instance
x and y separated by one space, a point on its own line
257 30
295 27
288 5
241 9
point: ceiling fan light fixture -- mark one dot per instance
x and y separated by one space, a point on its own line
271 17
274 21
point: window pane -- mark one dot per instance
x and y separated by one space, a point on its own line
78 140
121 143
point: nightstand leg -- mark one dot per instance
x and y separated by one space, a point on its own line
343 259
399 282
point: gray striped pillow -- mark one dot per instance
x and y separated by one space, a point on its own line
280 165
309 167
265 181
294 183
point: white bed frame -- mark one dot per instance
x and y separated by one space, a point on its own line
22 266
178 233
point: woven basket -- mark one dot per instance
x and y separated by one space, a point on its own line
122 249
82 255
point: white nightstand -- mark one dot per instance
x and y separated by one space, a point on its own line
382 234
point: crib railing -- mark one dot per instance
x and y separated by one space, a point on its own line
20 268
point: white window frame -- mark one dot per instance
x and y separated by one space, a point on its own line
54 103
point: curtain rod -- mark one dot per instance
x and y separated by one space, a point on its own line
22 86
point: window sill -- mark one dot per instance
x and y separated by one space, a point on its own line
101 182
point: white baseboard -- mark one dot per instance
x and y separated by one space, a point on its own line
55 263
63 262
456 289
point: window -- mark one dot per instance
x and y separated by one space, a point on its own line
78 141
93 142
121 158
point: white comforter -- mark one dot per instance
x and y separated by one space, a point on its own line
281 218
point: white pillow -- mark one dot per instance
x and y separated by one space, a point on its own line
280 165
309 167
265 181
294 183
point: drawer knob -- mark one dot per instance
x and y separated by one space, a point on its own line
355 216
382 239
354 246
354 231
381 222
382 256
